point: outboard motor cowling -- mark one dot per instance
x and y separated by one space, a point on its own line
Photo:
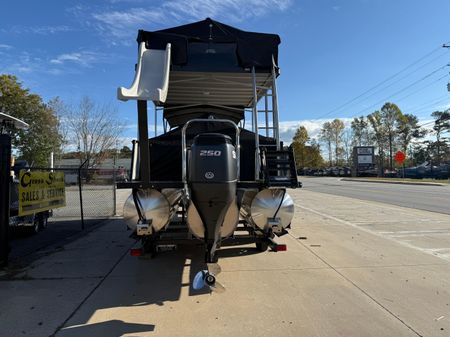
212 181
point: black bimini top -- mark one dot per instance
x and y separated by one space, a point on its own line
211 69
194 42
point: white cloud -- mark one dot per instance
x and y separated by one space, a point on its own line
54 71
25 69
126 1
5 46
443 107
22 63
40 30
29 63
125 141
124 23
121 23
235 10
313 126
84 58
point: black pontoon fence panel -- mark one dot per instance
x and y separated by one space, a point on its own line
165 150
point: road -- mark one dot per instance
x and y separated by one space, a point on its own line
353 268
424 197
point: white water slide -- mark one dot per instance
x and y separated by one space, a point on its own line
151 80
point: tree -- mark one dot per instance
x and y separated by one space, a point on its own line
299 145
407 130
379 136
326 136
347 140
94 129
301 135
61 110
314 155
360 128
337 129
440 127
42 136
306 155
390 114
125 152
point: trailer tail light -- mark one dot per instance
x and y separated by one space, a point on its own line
280 248
136 251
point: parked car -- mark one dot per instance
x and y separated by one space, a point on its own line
426 170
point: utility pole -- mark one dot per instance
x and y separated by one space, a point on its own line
448 65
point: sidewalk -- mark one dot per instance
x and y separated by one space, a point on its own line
37 300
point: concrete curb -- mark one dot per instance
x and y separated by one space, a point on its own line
393 182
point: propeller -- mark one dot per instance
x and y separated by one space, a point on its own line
208 278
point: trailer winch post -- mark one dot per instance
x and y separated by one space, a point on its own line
5 178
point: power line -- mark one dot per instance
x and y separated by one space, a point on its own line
428 104
402 78
406 88
420 89
382 82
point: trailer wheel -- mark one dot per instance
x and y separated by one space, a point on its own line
262 246
149 246
34 229
42 221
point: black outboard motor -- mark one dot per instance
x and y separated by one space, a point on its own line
212 181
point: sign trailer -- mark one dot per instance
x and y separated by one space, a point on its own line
40 191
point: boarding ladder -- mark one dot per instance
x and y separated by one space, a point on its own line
279 169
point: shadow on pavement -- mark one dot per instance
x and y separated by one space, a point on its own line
237 251
59 231
142 290
134 291
113 328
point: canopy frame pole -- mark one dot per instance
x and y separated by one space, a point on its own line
255 125
144 150
156 121
276 124
266 113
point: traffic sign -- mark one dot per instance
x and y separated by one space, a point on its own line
400 157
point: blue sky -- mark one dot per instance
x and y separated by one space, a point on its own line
331 50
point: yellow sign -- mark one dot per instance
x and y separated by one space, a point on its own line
41 191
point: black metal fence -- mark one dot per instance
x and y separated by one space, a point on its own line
90 196
90 192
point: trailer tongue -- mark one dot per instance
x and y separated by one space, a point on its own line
207 178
